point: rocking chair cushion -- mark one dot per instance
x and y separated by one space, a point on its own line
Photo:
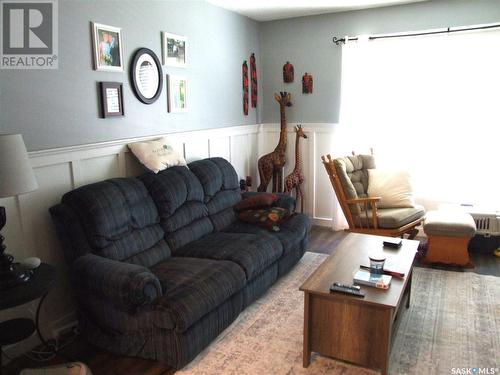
393 187
353 174
391 218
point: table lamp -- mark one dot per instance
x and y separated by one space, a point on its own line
16 177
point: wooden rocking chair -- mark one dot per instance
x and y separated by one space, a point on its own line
349 177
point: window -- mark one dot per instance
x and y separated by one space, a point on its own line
430 105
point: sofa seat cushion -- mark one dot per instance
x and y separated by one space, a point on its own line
292 231
253 253
390 218
192 288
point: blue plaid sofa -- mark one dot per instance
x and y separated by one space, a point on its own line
160 264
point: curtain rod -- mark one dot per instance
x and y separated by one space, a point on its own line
338 41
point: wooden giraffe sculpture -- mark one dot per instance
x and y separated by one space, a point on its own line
271 165
295 179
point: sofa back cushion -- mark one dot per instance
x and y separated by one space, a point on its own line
220 187
119 220
178 195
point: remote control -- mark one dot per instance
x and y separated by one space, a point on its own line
347 290
350 286
395 244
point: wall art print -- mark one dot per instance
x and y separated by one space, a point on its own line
174 48
111 99
107 47
177 93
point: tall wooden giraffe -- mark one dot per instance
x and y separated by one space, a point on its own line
271 165
295 179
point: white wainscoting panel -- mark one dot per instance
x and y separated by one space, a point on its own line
196 149
30 232
239 155
323 190
99 168
220 147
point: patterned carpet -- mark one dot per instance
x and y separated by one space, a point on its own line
454 322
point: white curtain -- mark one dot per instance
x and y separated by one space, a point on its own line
429 105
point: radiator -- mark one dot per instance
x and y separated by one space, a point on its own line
487 223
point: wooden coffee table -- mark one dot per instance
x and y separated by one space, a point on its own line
353 329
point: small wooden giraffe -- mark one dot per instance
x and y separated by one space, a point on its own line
271 165
295 179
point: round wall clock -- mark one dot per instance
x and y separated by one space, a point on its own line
147 76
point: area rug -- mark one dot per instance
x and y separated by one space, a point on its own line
453 323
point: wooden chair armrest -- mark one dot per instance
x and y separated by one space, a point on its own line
363 200
368 201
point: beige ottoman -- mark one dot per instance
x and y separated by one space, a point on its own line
449 233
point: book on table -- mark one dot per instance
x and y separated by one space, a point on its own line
372 279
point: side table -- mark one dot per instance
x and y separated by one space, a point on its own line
38 286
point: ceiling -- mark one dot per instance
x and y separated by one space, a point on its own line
268 10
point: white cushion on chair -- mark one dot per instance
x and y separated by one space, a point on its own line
393 187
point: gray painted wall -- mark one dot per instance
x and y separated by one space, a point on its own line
307 43
60 107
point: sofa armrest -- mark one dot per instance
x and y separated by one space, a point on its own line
284 201
125 285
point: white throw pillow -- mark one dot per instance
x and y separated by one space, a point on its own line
157 155
393 187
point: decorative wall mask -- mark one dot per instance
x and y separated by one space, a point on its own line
307 84
244 72
253 74
288 73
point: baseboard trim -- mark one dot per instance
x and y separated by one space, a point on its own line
321 221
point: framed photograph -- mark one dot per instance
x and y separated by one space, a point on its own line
147 76
111 99
174 49
177 93
107 47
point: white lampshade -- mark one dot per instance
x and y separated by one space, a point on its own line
16 173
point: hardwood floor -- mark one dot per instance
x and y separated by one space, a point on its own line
322 240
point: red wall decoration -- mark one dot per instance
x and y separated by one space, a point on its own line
307 84
288 73
253 73
244 71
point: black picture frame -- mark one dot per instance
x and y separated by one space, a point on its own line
144 58
108 89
